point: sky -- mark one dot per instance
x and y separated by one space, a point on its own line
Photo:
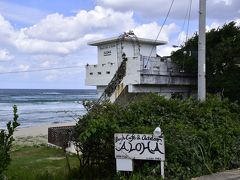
43 34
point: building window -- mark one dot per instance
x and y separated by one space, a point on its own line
99 73
91 73
108 72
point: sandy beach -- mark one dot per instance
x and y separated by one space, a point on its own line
35 135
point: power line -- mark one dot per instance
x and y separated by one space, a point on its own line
38 70
160 30
183 26
189 15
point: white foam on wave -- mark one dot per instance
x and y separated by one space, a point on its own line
51 93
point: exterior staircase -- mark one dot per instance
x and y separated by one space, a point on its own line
115 83
118 91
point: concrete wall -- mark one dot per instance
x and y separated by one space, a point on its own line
132 71
99 74
163 90
145 49
107 53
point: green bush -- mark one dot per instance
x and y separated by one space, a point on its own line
200 137
6 140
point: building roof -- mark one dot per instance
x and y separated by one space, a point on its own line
114 39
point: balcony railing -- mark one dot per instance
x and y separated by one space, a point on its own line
158 66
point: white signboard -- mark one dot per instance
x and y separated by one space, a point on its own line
139 146
124 164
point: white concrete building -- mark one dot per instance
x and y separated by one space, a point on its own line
144 70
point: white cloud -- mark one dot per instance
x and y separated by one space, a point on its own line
46 57
165 50
152 8
3 69
237 22
64 74
23 67
181 38
5 55
57 34
46 64
213 25
51 76
6 31
217 9
223 9
38 46
5 25
23 43
151 31
56 27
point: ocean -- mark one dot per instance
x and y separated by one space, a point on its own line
39 106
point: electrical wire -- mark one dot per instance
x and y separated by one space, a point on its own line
189 16
38 70
188 22
183 26
160 30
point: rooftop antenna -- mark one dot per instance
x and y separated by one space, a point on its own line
202 51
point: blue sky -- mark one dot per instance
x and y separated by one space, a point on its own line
40 34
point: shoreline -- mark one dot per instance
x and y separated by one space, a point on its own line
35 135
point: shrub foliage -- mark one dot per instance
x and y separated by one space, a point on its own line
6 140
222 60
200 137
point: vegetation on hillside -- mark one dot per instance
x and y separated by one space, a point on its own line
200 137
222 60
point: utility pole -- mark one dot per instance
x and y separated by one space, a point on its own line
202 51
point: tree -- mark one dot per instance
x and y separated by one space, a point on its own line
6 140
222 60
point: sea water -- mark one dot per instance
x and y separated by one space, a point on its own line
39 106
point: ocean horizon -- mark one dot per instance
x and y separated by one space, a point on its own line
43 106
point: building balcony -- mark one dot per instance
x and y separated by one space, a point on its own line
157 70
140 70
100 74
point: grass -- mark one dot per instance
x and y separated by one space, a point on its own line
39 162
